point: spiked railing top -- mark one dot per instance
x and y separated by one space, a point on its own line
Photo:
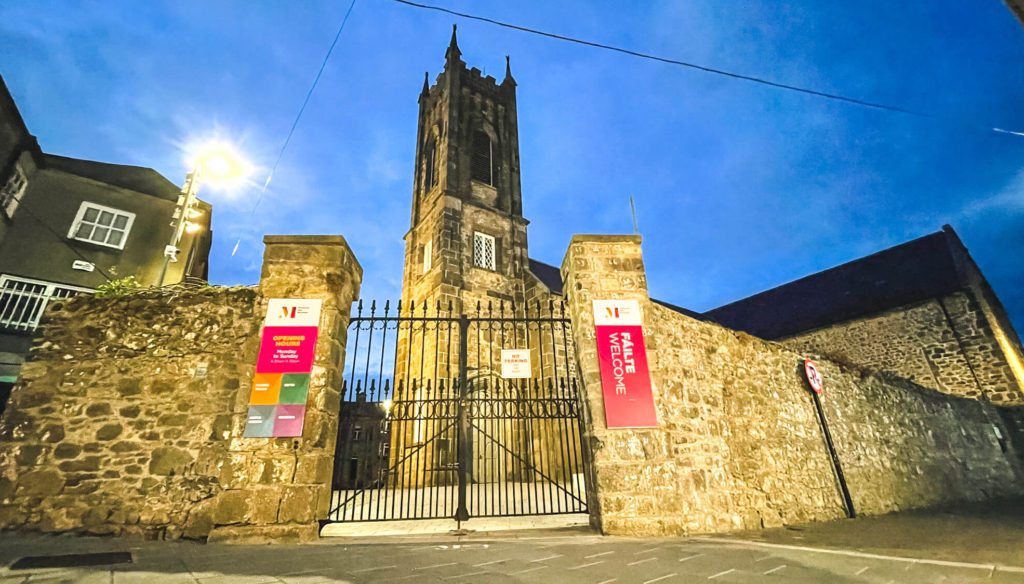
504 309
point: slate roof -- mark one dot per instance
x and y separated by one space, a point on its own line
681 310
551 277
911 272
907 273
135 178
8 103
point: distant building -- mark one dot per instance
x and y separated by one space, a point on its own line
1017 6
922 310
68 225
364 441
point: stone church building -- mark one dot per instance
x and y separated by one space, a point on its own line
409 415
922 309
467 242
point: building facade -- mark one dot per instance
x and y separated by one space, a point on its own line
69 225
921 310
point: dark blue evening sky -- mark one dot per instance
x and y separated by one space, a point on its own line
739 187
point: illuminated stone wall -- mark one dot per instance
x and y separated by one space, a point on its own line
128 418
946 343
739 444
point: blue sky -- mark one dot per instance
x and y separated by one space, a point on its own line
739 187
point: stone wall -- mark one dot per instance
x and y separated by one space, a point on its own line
944 343
127 395
904 446
128 418
739 444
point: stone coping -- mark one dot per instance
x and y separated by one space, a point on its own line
580 238
306 239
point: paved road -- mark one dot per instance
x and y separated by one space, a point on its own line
970 544
563 557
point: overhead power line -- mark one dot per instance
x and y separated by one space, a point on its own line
298 116
703 68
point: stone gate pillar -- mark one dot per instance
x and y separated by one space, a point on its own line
607 267
285 501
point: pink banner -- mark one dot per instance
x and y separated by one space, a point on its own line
625 377
280 388
286 349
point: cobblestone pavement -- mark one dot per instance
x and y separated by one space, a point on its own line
932 547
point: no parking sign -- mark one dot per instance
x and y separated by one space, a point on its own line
813 376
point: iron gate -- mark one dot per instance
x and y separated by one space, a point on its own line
428 428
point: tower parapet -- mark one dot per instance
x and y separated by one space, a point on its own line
467 239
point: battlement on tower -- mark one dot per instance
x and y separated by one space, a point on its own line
476 75
472 78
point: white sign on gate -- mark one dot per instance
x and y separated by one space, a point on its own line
515 363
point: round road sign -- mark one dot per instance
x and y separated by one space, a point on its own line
813 376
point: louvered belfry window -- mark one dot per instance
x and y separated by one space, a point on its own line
431 160
483 162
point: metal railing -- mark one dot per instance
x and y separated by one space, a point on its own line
22 301
428 428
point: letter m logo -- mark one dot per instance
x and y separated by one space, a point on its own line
612 312
288 313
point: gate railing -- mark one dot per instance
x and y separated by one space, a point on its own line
429 429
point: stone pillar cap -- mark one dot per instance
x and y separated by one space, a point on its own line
306 239
579 238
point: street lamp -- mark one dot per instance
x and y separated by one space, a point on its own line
220 165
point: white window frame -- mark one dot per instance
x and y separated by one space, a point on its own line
481 243
428 255
80 219
23 300
13 189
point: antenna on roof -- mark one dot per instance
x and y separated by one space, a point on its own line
632 207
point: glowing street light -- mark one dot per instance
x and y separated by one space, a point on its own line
220 165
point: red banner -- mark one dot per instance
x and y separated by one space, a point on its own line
625 377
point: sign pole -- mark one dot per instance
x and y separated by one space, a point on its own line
814 379
850 513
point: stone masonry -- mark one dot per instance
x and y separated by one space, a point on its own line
944 343
129 416
466 181
739 444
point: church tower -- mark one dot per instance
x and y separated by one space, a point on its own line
467 241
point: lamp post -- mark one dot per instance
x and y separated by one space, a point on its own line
218 165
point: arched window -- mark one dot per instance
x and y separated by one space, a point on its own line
482 166
430 178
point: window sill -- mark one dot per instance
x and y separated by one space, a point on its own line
105 246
